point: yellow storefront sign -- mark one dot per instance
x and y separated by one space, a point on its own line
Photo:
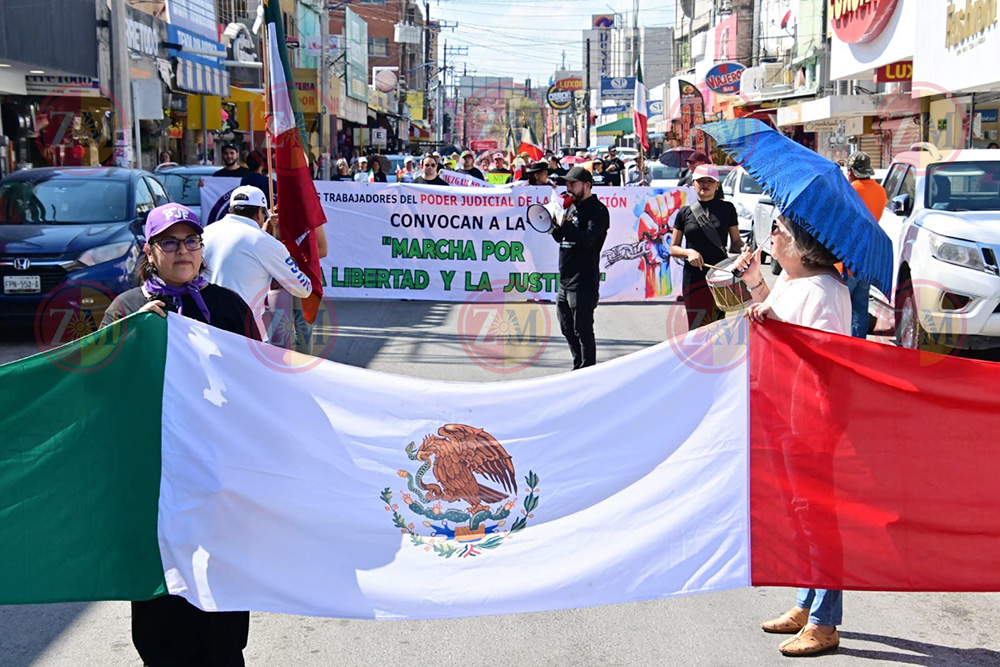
213 112
416 101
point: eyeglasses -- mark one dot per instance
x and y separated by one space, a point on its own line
776 228
171 246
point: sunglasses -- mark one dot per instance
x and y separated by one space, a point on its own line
777 228
171 246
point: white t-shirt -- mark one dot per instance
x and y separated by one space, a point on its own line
821 302
243 257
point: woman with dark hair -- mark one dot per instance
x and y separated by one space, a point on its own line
377 175
168 630
810 293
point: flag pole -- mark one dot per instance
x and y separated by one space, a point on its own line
268 121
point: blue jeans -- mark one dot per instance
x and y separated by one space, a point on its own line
825 607
859 306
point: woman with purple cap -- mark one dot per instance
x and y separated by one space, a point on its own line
167 630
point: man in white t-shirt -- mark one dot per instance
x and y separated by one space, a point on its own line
242 257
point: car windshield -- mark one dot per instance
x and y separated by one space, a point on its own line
182 188
63 201
963 186
663 172
750 186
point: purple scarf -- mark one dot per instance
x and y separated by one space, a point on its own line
156 287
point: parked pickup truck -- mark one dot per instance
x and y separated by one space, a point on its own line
943 218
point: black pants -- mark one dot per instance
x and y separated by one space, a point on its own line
576 319
168 631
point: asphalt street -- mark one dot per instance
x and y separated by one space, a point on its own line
426 340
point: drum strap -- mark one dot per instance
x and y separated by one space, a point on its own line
701 217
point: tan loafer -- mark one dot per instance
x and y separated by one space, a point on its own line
788 623
809 642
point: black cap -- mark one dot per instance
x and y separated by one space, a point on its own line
579 174
536 167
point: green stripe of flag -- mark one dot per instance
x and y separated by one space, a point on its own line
79 487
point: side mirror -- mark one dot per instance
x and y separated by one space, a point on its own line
138 227
765 200
902 205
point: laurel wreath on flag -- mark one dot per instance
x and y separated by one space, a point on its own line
447 548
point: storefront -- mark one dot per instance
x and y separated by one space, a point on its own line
147 60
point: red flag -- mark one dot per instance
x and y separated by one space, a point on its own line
871 467
299 208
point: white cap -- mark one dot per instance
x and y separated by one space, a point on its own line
248 195
705 171
362 159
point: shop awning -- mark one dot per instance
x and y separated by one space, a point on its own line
620 126
195 77
247 95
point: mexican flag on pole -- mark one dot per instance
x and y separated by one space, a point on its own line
145 458
530 145
299 207
639 110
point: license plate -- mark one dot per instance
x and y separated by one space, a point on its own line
22 284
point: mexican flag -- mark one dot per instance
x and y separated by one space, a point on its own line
155 456
530 145
299 207
639 110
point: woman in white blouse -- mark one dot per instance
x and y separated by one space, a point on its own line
809 293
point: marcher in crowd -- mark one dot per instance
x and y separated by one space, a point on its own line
694 160
484 164
598 167
859 173
468 166
705 226
810 293
429 172
500 167
581 237
556 171
453 160
231 163
537 173
640 173
377 175
168 630
613 167
343 171
242 257
362 175
257 163
407 173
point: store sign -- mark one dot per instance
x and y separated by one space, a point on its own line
70 86
357 56
141 38
405 33
379 136
198 16
967 23
850 126
305 84
901 71
617 87
559 99
616 109
486 145
724 78
603 24
989 115
570 83
860 21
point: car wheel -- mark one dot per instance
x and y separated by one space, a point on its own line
775 267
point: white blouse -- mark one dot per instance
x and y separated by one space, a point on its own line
820 302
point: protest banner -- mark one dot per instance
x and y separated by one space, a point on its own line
404 241
458 178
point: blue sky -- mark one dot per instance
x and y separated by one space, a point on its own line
526 38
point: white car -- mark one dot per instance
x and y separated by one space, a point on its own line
743 191
943 219
664 176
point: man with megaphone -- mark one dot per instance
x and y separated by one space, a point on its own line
580 234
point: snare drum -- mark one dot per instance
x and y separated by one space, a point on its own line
730 293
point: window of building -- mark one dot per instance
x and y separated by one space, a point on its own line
378 47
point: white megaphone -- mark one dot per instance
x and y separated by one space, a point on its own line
544 217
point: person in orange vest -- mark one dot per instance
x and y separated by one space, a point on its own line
859 173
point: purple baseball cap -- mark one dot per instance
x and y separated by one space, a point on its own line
163 217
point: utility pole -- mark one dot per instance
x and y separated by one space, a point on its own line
326 133
427 57
586 122
122 87
440 98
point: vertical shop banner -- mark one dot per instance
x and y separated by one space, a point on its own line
692 115
401 241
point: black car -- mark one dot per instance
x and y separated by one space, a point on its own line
79 227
